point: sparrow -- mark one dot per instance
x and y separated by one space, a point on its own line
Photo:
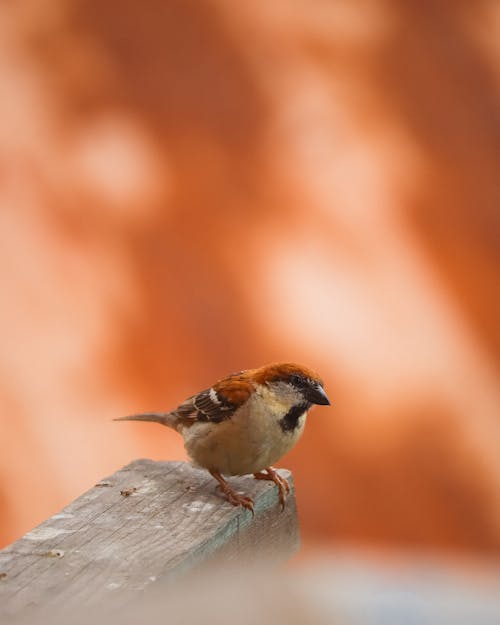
245 423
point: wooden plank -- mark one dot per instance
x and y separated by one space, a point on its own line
149 521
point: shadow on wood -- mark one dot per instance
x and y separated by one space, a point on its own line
149 521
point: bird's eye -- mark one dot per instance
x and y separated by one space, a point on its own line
296 380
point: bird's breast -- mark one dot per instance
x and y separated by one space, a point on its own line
256 436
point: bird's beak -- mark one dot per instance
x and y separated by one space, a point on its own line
316 395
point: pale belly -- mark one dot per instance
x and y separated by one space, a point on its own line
240 445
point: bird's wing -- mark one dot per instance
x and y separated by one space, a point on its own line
214 404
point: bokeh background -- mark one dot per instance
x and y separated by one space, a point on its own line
194 187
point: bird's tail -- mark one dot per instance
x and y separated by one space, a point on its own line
164 418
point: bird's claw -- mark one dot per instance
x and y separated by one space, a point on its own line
231 495
240 500
282 483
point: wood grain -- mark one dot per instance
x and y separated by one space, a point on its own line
149 521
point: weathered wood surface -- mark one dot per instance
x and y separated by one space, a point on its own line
149 521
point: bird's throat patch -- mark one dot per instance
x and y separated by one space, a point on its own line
291 420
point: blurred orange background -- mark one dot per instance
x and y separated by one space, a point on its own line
189 188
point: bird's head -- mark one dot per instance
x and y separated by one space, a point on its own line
293 382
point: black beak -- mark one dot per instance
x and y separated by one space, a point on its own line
316 395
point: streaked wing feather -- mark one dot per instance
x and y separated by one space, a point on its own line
211 406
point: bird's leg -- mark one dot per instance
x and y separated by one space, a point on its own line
231 495
273 476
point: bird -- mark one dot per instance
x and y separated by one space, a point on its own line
244 423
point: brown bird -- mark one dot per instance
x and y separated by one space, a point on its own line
245 422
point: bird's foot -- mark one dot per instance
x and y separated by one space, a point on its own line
273 476
232 496
239 500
